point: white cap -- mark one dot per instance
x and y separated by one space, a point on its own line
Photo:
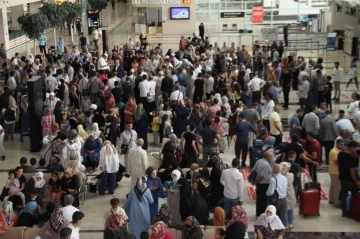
105 54
143 73
167 57
208 69
161 73
47 95
132 71
52 94
229 58
93 106
172 54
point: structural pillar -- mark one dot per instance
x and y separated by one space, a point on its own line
4 29
34 6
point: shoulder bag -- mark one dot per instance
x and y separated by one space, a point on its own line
125 147
273 199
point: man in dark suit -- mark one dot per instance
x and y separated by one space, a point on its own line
329 133
116 92
167 84
118 69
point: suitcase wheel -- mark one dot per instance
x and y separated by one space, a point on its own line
318 214
304 216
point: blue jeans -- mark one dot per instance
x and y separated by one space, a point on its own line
228 204
107 179
289 217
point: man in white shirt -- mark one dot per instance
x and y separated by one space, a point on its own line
269 108
255 85
152 84
77 219
95 36
112 79
144 88
102 64
36 65
224 48
233 182
69 209
338 73
70 71
209 82
138 161
353 106
176 94
278 182
11 81
304 88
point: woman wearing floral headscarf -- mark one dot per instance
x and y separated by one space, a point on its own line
140 198
52 228
159 231
109 99
237 226
70 185
192 229
290 195
8 218
164 214
81 132
114 228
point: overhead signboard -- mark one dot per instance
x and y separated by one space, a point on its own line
161 2
232 14
258 14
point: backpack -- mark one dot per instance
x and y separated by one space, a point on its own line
9 114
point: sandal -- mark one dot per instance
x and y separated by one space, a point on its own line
291 227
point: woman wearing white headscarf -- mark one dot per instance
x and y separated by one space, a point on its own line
140 198
268 225
97 132
290 195
218 97
247 76
31 59
109 165
36 186
173 195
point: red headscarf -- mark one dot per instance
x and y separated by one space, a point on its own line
113 222
239 215
159 229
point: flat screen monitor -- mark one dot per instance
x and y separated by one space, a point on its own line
179 13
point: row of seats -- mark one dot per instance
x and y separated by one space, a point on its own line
21 233
208 232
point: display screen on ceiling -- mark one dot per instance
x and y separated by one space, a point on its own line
179 13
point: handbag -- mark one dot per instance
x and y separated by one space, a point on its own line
124 148
273 199
175 102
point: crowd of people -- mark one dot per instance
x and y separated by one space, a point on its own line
101 107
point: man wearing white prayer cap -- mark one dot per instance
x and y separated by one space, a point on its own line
51 101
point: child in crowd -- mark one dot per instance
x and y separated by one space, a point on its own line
41 167
327 93
33 163
167 126
144 235
155 127
65 124
219 234
321 112
115 209
13 185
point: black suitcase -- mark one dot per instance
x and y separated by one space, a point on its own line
254 153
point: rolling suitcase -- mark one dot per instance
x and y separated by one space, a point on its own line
313 185
355 206
309 202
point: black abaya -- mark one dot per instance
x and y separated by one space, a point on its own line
140 127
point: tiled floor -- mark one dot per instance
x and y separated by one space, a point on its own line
329 221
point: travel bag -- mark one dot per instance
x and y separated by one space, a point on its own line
309 200
355 206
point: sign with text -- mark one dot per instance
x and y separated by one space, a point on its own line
258 14
160 2
232 14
